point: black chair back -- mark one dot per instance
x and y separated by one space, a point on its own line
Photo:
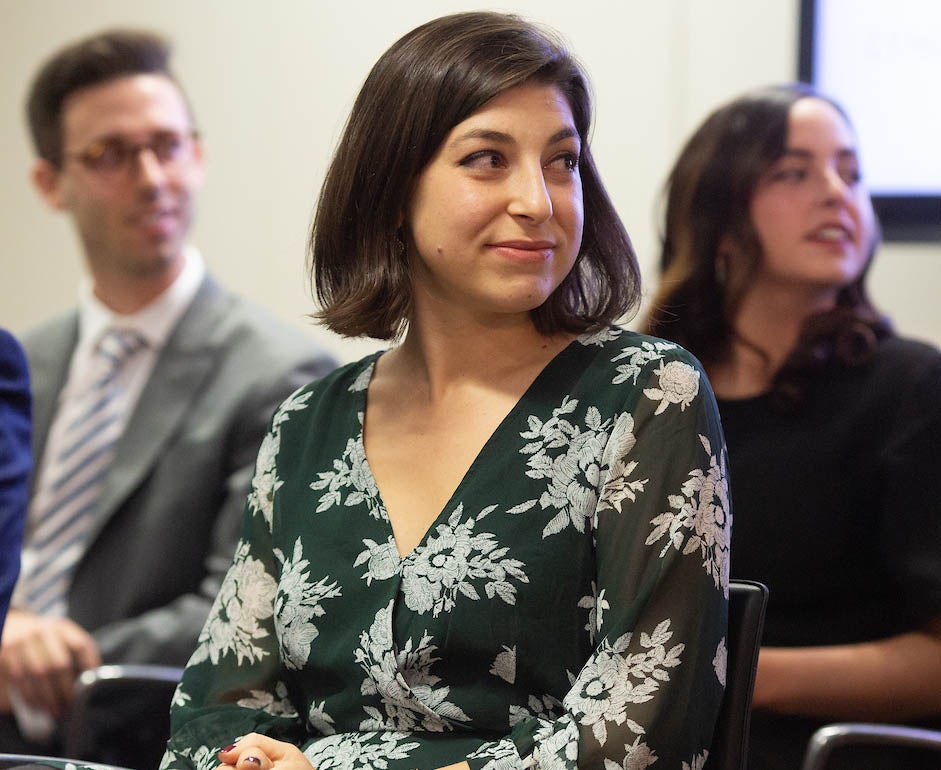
747 602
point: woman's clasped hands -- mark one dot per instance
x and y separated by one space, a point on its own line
259 752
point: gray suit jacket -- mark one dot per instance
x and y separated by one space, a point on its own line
172 502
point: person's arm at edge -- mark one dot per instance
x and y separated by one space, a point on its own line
898 678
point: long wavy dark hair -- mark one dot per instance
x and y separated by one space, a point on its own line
430 80
708 196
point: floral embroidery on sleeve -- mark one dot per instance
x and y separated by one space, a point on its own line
700 518
679 384
298 602
245 599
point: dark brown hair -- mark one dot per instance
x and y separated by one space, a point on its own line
88 62
433 78
708 196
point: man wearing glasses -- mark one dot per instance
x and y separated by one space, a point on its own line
150 401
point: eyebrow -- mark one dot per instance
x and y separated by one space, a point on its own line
504 138
796 152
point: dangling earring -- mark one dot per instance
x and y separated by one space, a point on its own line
398 245
721 269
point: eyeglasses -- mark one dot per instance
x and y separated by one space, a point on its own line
114 154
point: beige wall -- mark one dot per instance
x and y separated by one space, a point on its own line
272 82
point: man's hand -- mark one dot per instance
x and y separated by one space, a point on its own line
41 658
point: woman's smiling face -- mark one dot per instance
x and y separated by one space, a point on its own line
496 216
811 211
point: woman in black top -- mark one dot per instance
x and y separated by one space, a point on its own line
833 423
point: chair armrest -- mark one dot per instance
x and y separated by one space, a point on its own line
35 762
829 738
143 681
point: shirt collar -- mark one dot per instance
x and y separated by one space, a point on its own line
155 321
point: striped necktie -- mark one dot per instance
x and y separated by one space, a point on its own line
94 423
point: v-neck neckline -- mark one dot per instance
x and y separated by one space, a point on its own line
469 474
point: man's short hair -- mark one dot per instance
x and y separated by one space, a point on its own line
93 60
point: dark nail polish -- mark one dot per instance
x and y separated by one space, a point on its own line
253 760
228 749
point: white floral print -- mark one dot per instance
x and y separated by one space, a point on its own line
600 337
381 559
637 357
180 698
679 384
265 481
700 518
298 602
546 708
556 745
618 486
361 383
456 561
637 756
612 679
596 605
720 661
504 665
235 624
202 758
500 755
410 697
362 751
277 703
568 456
350 475
320 720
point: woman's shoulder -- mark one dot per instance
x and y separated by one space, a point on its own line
630 368
906 352
344 383
634 352
900 362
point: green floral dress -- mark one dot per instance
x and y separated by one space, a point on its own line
566 609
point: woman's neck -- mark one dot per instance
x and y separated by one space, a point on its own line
452 346
766 329
434 361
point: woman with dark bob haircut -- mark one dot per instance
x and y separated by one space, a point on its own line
433 79
503 542
833 422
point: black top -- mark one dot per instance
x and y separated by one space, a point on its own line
836 507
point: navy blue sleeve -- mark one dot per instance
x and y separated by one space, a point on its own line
16 461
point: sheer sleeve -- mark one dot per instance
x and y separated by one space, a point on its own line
233 684
651 689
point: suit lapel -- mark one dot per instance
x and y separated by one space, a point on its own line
49 361
185 362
